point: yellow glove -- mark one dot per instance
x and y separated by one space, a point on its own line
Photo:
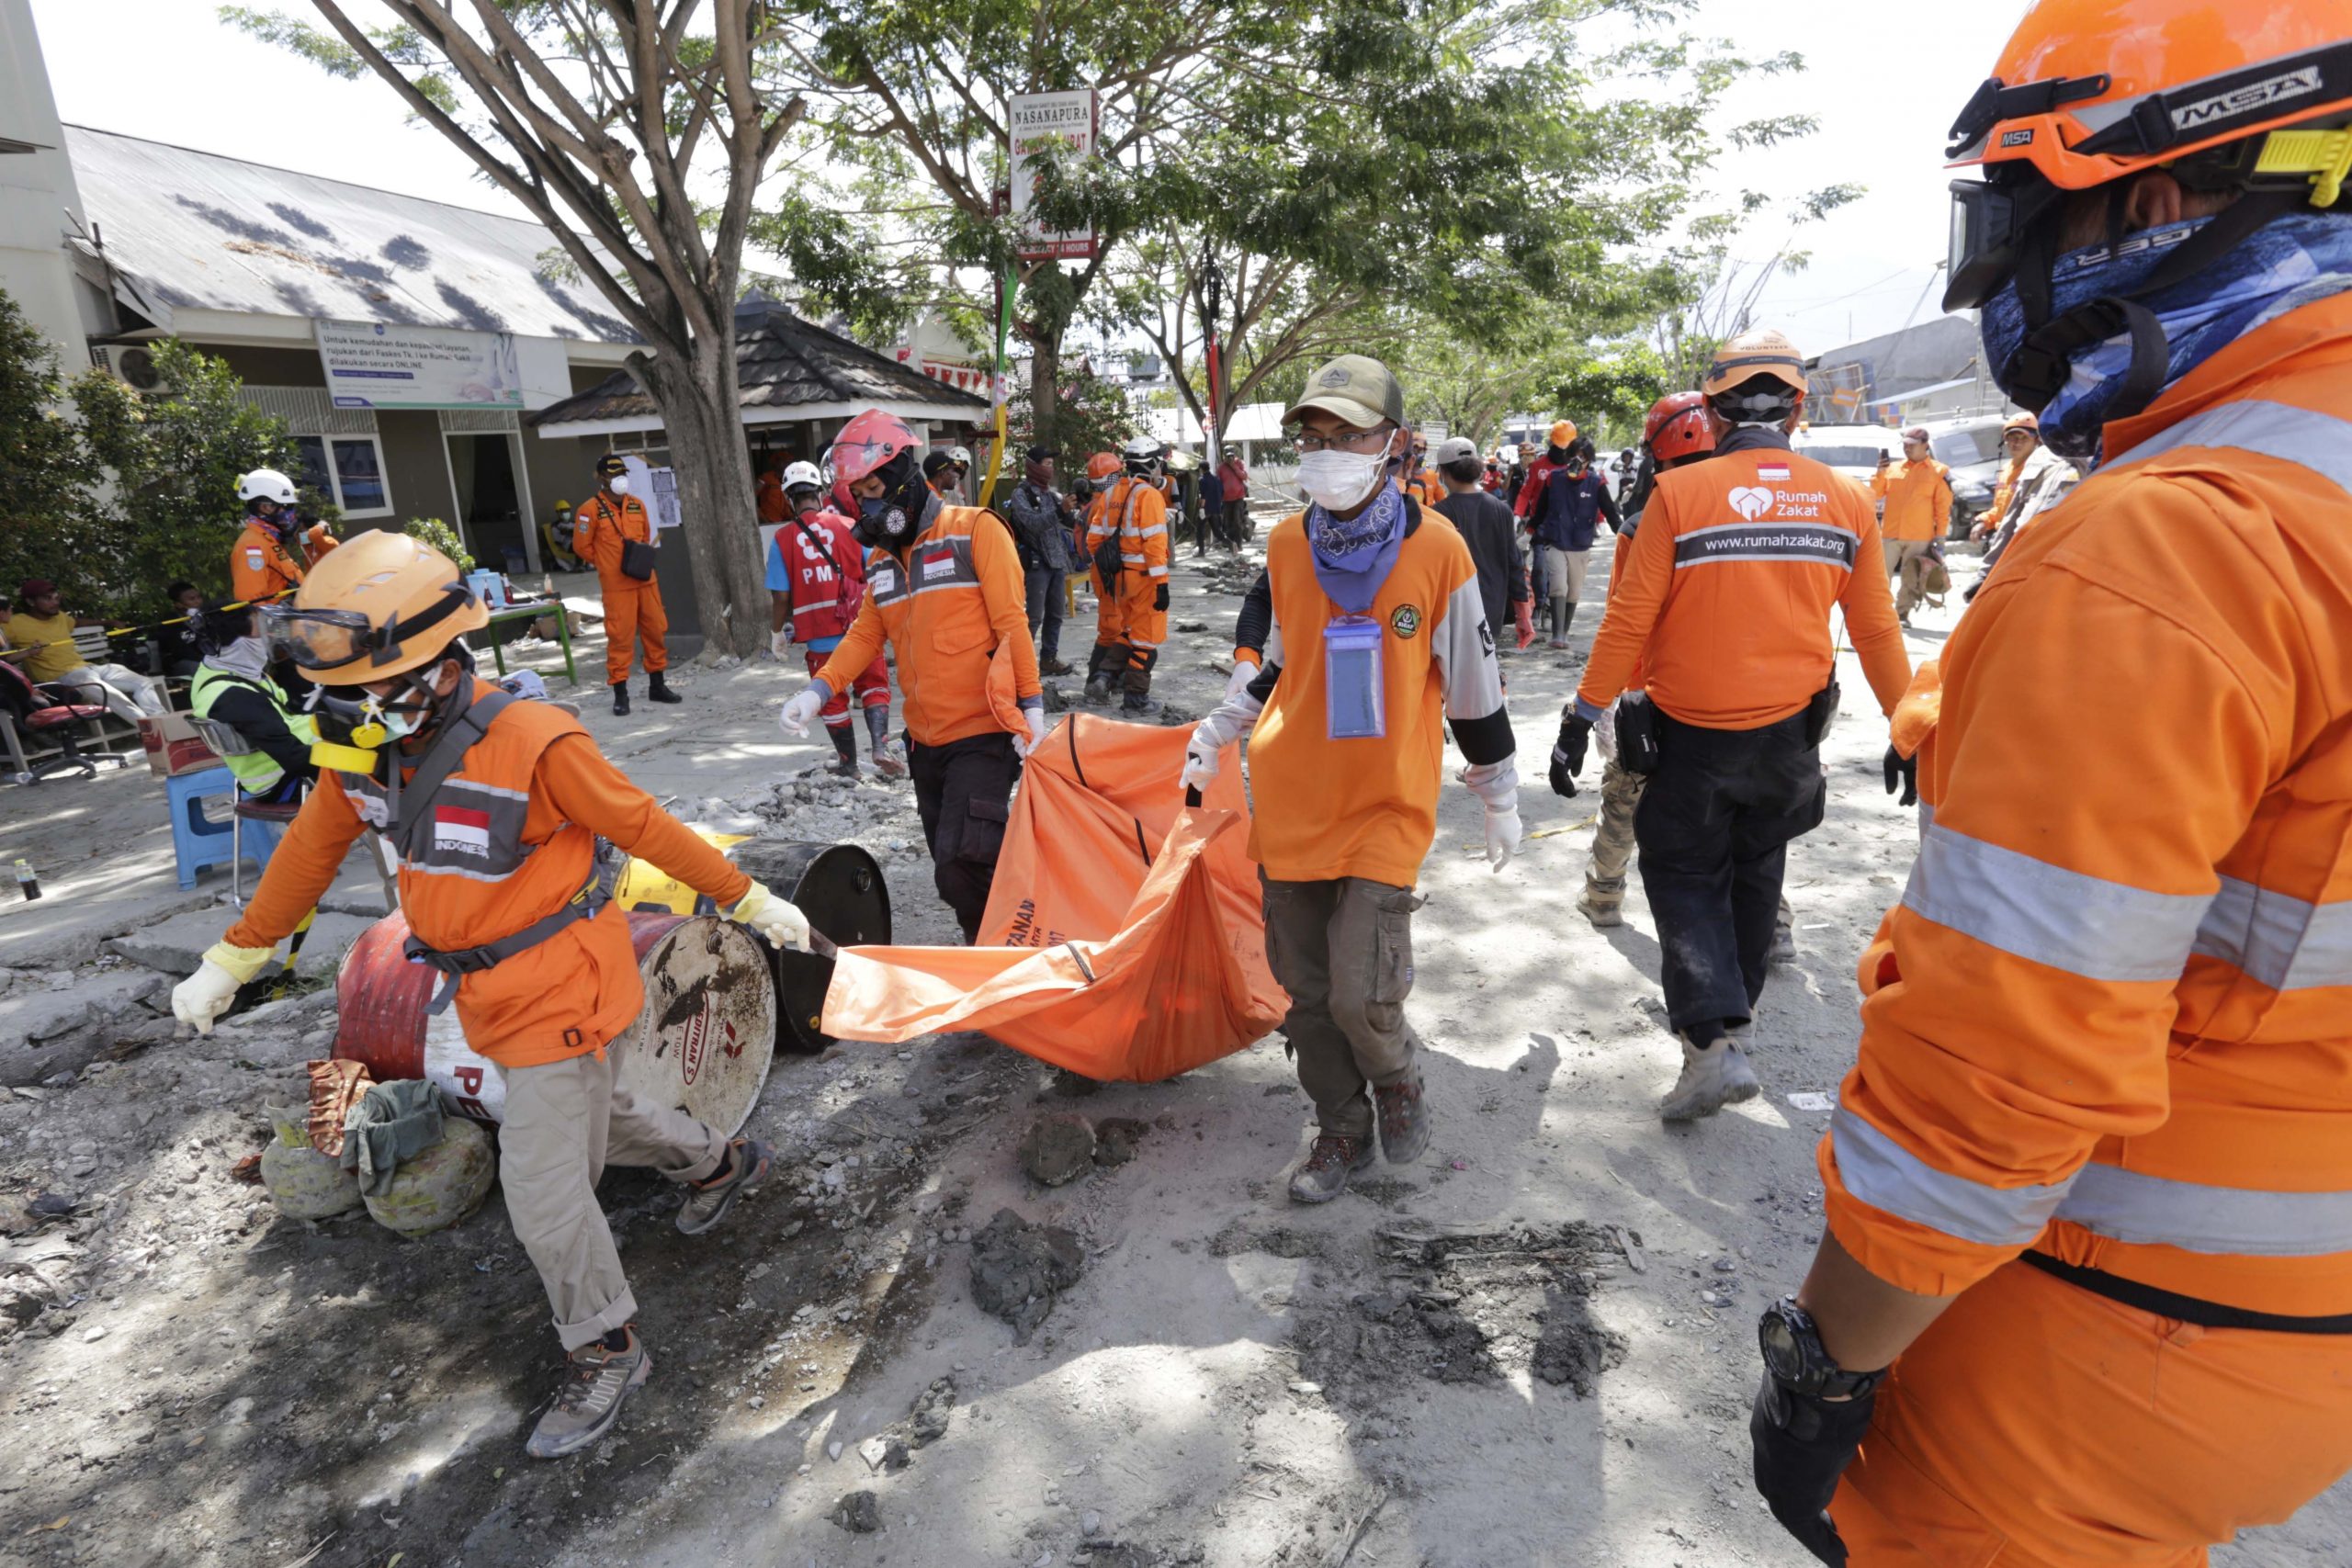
204 995
779 923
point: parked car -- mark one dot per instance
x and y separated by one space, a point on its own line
1970 448
1853 450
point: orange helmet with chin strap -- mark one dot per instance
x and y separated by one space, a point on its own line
379 605
1677 428
1103 466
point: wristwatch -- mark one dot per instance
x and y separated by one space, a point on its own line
1794 1355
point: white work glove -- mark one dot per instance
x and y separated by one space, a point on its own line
1024 744
1200 766
780 924
805 704
204 995
1496 786
1227 723
1238 682
780 641
1604 734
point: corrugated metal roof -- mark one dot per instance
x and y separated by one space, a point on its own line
202 231
781 362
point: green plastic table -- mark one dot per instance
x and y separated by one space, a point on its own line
533 612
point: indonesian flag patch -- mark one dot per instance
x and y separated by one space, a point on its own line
1771 472
461 830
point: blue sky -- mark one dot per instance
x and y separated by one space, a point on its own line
1885 81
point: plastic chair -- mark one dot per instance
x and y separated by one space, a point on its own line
276 815
198 840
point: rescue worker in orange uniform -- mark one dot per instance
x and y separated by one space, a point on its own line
943 589
604 528
274 552
1127 531
1724 597
1916 493
1377 643
502 813
2085 1295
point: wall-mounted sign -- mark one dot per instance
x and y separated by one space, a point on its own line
1042 122
379 365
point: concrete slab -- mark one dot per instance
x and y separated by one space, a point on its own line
176 946
30 1015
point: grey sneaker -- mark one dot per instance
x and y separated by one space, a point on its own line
1404 1117
1603 902
595 1382
1323 1175
1714 1075
1784 946
707 1201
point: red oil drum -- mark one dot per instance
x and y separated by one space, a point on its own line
702 1043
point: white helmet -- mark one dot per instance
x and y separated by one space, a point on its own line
959 454
265 484
1140 454
800 474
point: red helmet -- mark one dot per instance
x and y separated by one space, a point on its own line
867 443
1676 427
1103 465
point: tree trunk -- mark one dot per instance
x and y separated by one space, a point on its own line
1045 382
701 415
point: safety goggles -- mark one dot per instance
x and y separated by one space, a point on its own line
328 639
1990 220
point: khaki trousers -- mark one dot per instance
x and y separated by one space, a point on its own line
565 1122
1343 949
1908 557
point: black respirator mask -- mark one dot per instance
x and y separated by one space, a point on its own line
904 509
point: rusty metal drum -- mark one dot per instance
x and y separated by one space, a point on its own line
702 1043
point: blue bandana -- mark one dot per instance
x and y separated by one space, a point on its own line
1354 556
2284 264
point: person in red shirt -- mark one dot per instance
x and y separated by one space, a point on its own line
816 582
1234 474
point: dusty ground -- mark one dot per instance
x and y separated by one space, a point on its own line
1535 1347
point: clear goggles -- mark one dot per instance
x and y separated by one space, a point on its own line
1990 220
329 639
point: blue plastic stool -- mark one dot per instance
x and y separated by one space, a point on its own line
196 841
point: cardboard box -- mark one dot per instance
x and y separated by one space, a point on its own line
173 747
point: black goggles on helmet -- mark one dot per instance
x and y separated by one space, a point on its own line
327 640
1990 220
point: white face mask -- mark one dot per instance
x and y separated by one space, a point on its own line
1337 481
619 484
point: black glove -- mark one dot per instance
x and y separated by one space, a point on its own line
1568 754
1159 598
1801 1446
1902 774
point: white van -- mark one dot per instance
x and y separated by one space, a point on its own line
1853 450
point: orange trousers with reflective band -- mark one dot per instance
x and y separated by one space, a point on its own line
2038 1426
629 614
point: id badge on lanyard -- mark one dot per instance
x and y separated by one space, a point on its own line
1355 705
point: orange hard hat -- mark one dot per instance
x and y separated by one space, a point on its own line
1766 351
1676 427
2088 91
376 607
2024 421
1562 433
868 441
1103 465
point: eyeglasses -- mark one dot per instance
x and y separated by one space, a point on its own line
1358 441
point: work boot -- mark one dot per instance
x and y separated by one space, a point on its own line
1404 1117
1098 689
1784 945
658 690
1714 1075
1603 900
620 696
708 1200
1052 666
1323 1175
1137 704
596 1380
890 759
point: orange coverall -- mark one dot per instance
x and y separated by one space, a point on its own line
632 609
261 568
2104 1089
1131 624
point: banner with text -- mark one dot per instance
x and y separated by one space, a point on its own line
1043 122
375 365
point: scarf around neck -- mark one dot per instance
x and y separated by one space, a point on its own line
1354 556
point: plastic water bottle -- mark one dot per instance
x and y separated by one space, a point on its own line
28 884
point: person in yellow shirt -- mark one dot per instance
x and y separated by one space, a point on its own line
1917 493
1378 640
40 640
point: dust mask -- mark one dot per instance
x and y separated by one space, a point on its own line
1337 481
619 485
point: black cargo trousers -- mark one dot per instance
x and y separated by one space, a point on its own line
964 793
1714 828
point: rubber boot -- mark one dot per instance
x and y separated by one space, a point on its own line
844 740
658 690
887 759
1603 900
620 696
1561 610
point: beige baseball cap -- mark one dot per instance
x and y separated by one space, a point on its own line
1355 388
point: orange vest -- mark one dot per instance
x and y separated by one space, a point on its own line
1142 527
598 529
954 612
261 569
483 861
2111 1019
